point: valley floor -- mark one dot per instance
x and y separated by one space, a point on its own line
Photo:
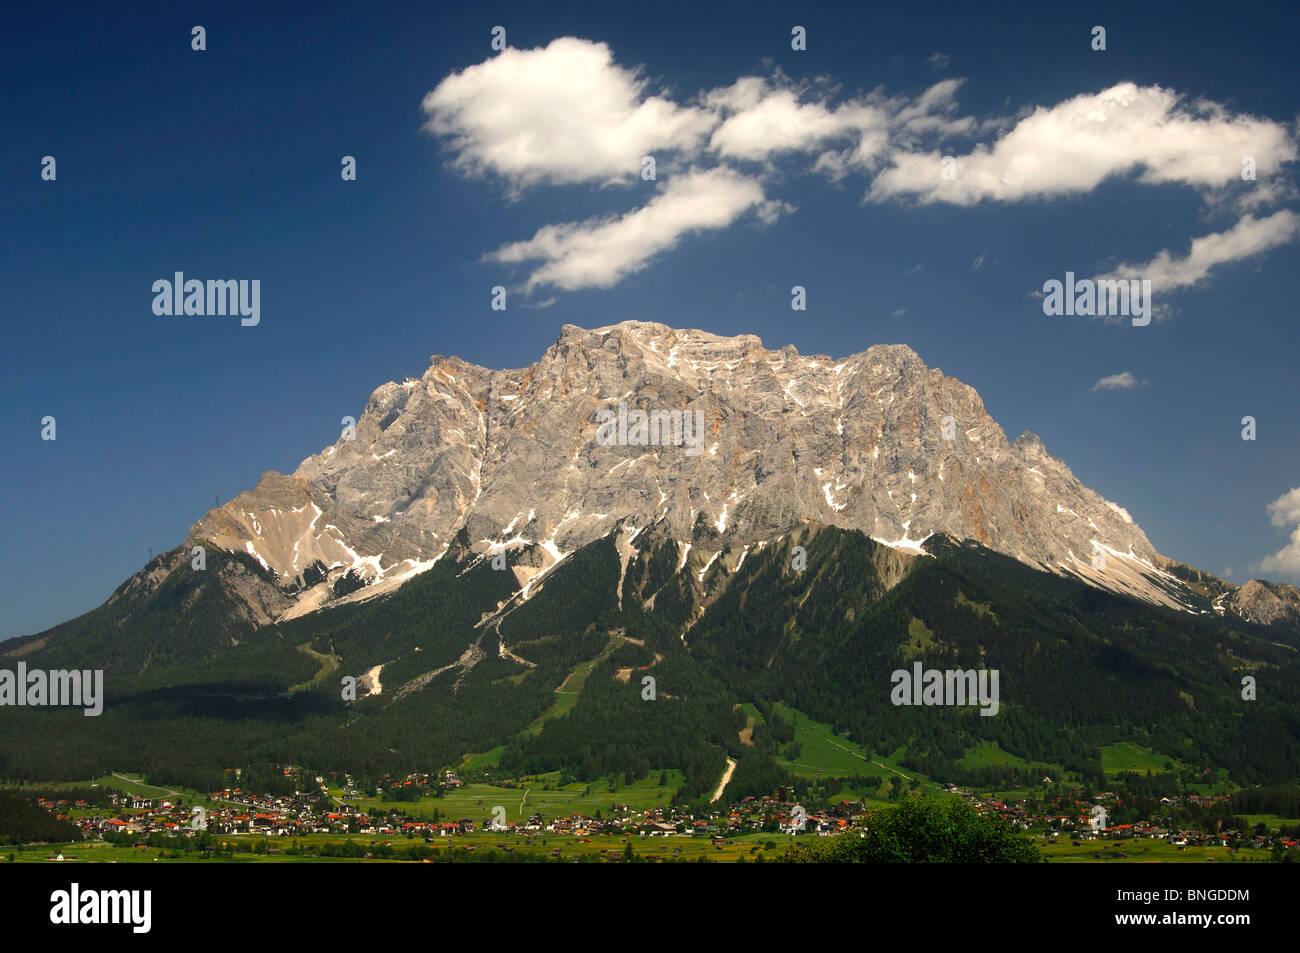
603 847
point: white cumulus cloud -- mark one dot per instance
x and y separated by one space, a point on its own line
1076 145
564 113
601 252
569 114
1284 511
761 120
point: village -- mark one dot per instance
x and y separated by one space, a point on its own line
242 813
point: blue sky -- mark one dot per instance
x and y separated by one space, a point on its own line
775 167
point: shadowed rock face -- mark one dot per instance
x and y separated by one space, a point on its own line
875 441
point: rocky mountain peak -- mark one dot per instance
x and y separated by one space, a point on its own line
719 440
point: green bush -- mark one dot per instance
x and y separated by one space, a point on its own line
924 830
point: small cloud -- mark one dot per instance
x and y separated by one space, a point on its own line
982 257
915 268
938 61
1284 511
539 305
1227 572
899 313
1124 381
768 212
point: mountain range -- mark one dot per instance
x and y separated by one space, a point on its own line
471 541
512 458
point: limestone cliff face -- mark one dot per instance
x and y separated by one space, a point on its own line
876 441
1267 603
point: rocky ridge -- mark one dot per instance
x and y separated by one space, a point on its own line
876 441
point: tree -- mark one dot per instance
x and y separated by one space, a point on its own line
924 829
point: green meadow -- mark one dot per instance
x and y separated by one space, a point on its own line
826 754
537 794
605 846
1143 850
1127 756
608 847
329 664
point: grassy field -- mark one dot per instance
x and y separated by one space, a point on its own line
988 754
1127 756
1144 850
541 793
329 664
1272 821
484 759
108 854
611 847
684 847
828 754
132 784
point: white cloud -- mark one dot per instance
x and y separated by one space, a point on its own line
763 120
879 124
1074 146
1283 511
600 253
771 210
978 263
567 113
1286 508
776 123
933 112
1121 381
539 306
1249 237
1273 192
938 61
563 113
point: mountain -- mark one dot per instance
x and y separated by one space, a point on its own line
803 528
876 442
456 669
1264 602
